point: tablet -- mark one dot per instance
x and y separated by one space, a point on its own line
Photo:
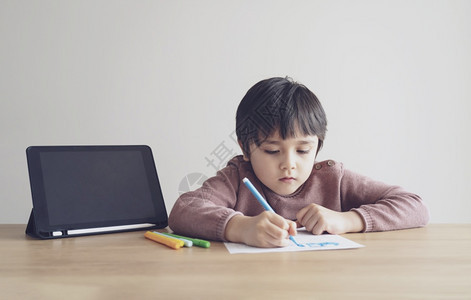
80 190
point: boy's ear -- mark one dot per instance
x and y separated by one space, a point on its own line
246 157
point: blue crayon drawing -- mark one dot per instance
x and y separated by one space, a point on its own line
296 243
317 245
325 244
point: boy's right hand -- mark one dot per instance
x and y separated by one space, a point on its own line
265 230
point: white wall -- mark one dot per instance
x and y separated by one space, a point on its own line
393 76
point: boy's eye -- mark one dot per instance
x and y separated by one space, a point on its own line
304 151
271 151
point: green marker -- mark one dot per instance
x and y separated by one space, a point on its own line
196 242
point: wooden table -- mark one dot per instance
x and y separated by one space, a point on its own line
425 263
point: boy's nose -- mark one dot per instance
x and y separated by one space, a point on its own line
288 162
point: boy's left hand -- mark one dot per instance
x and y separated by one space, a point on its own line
318 219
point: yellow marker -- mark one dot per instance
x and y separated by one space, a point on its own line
165 240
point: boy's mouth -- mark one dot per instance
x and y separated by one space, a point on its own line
287 179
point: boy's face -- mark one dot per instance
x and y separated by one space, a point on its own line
284 165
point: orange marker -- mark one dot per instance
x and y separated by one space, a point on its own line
165 240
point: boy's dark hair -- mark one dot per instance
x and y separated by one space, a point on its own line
279 104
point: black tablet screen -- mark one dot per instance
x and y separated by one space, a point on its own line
101 186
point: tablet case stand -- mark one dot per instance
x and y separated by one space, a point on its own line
31 227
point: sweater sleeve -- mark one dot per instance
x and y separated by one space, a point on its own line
381 206
203 213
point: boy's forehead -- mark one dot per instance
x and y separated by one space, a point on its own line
276 138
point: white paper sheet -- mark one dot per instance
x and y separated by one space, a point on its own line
309 241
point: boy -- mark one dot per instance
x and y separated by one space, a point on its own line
281 126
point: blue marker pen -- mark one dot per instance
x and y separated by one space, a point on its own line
264 203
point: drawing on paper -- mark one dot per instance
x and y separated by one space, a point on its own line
306 241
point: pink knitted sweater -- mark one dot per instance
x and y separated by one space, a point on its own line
205 212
